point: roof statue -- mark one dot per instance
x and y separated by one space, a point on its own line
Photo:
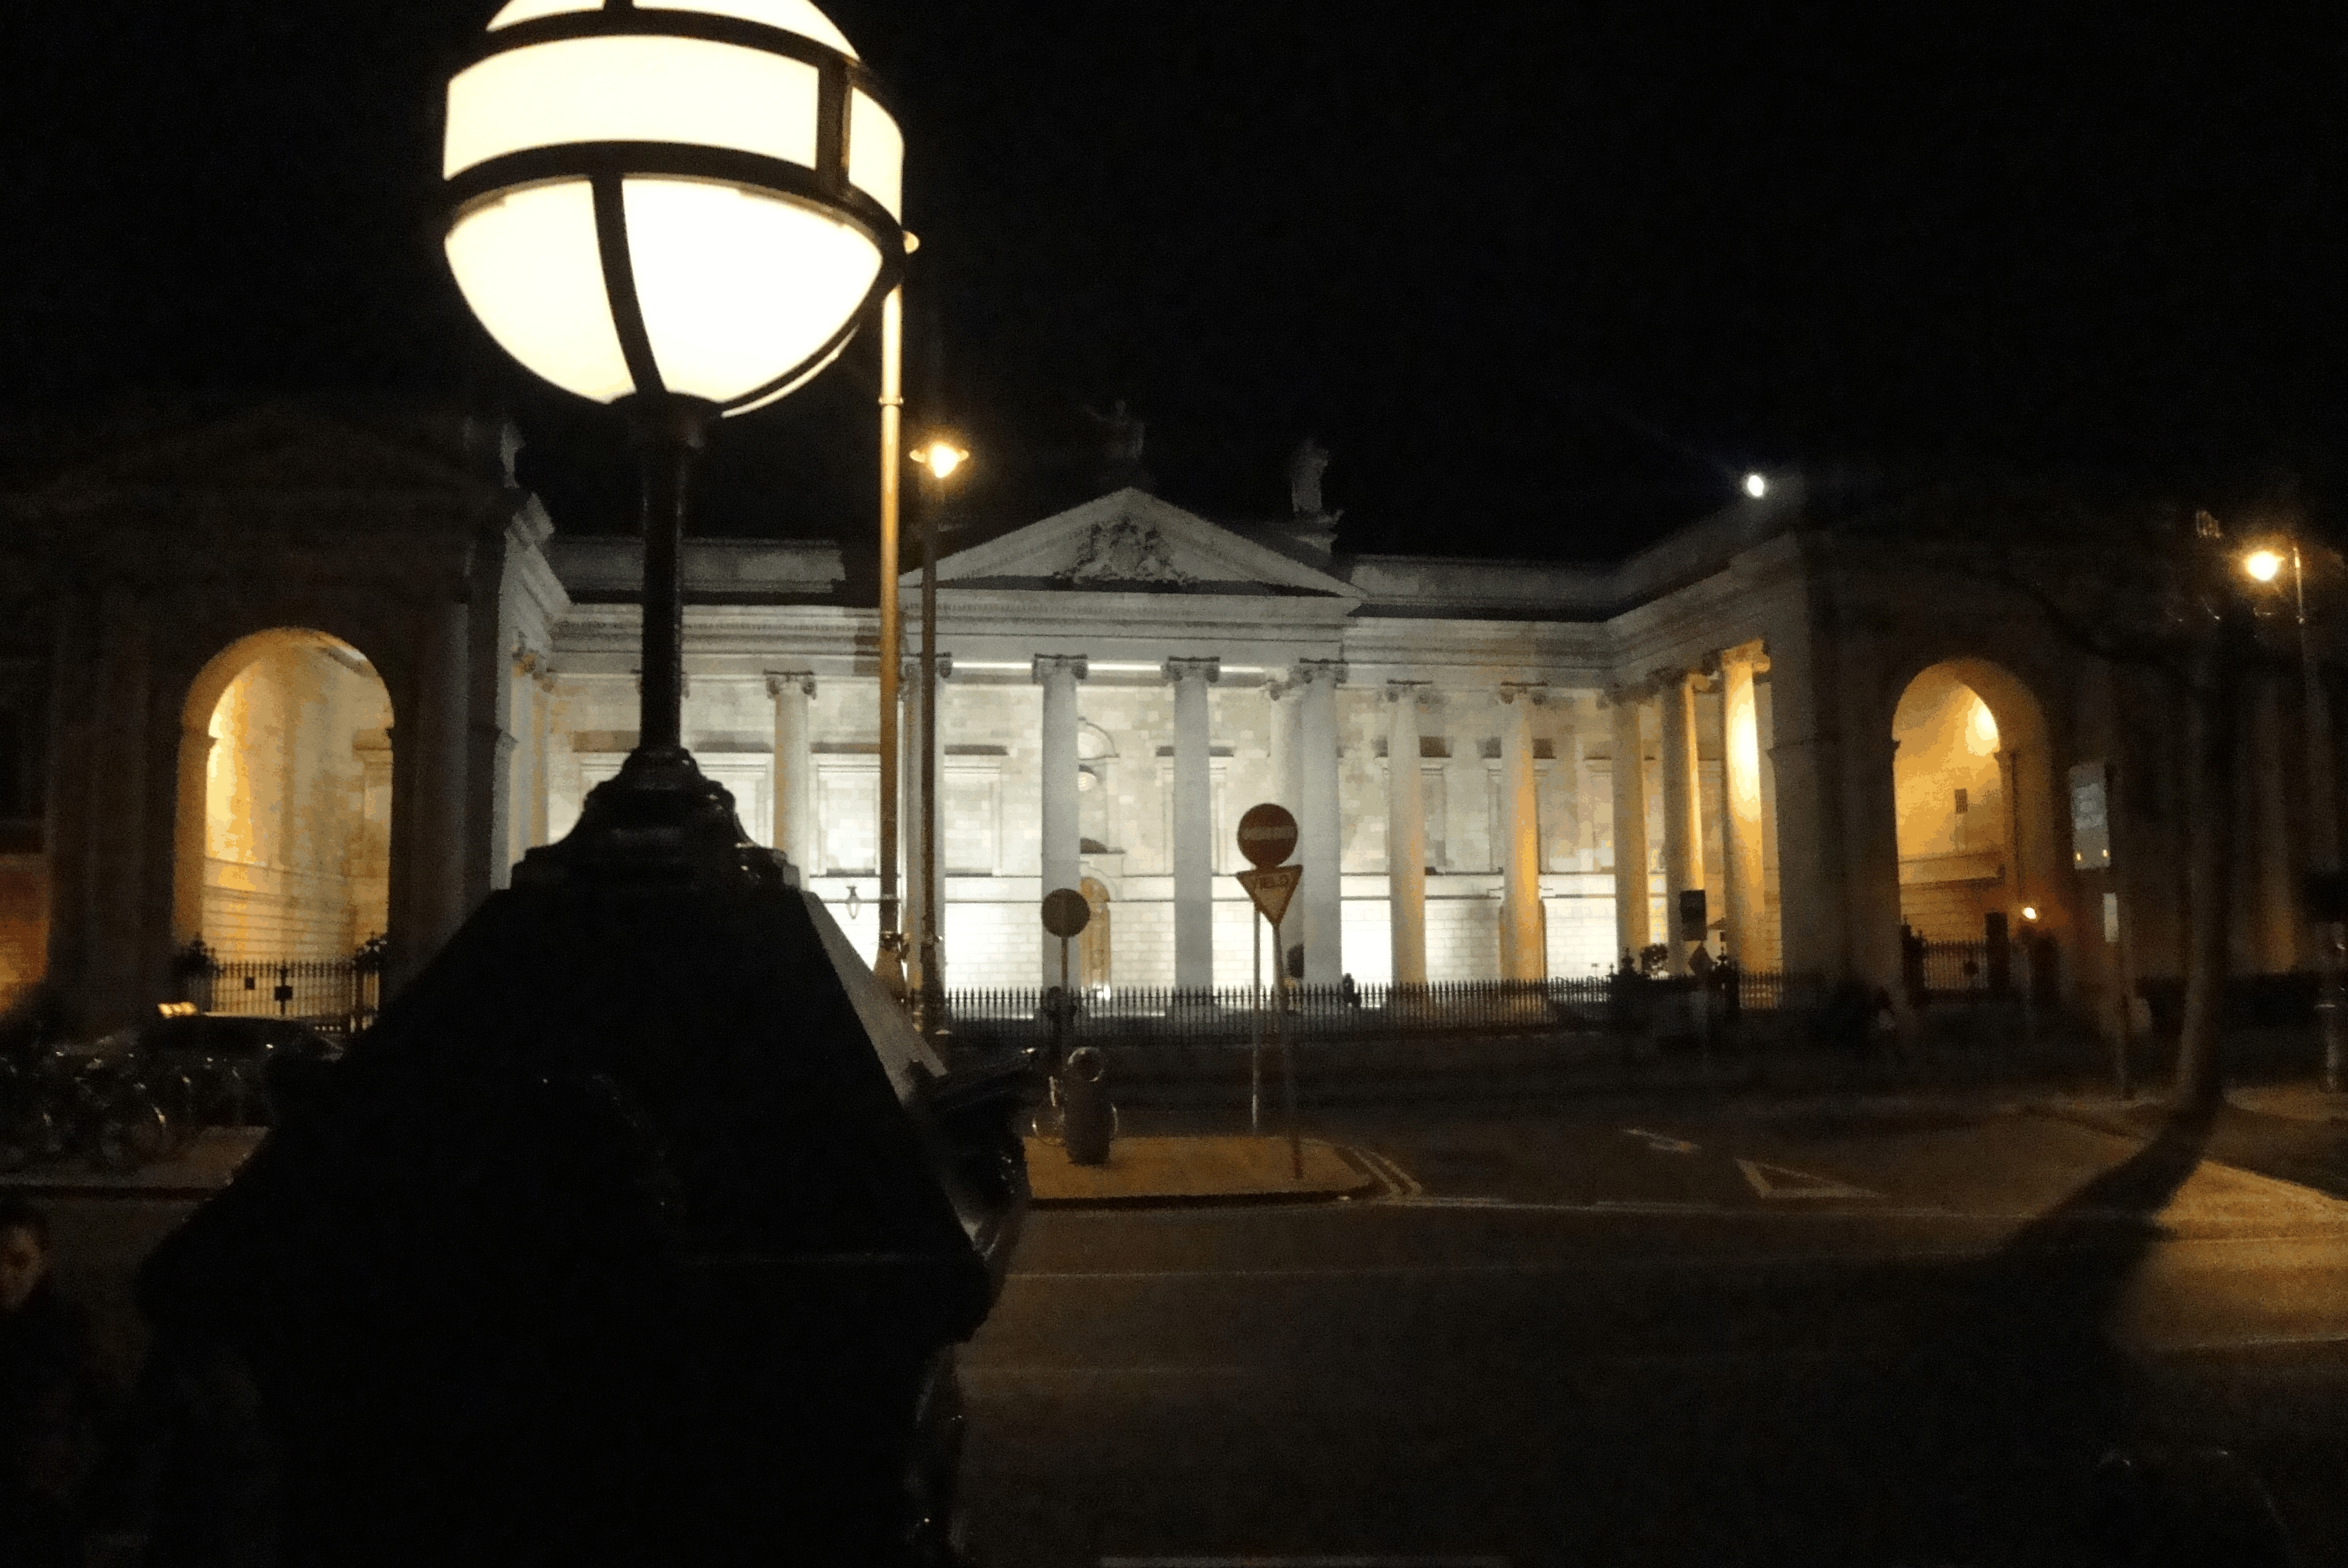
1305 467
1121 436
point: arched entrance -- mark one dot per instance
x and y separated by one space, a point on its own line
281 847
1973 783
1092 944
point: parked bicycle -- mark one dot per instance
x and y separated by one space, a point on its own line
64 1101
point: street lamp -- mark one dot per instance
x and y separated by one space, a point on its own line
683 213
2264 565
938 459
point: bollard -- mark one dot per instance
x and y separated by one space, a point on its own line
1087 1120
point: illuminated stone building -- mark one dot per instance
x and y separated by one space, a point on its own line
287 681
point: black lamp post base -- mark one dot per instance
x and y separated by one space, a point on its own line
658 822
638 1230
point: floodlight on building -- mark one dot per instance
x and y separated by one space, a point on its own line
1756 485
677 198
2263 566
683 208
2030 911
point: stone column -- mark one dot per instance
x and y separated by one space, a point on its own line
428 801
1406 835
1628 778
1743 873
1320 825
1682 806
542 750
1062 841
1194 823
189 832
117 977
1523 954
1287 779
794 787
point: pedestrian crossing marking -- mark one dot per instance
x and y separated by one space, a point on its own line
1777 1182
1659 1143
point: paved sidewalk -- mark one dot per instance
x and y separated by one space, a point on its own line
201 1168
1206 1168
2294 1131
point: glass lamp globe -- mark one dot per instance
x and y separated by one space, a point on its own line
684 198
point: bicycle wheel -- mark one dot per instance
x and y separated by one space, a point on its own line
134 1133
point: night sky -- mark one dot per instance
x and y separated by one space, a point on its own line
1547 279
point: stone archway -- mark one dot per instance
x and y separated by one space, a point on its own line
283 827
1973 782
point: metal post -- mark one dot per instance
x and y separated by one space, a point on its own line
1255 1028
670 432
2324 840
1287 1051
929 1007
890 962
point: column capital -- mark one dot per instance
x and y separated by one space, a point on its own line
1535 692
910 676
1047 665
1306 671
1416 690
531 661
1669 677
781 680
1627 694
1210 671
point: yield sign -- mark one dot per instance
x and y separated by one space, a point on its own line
1271 886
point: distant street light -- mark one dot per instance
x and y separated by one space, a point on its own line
2324 859
1756 485
937 458
680 213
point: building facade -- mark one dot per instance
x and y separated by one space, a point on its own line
288 681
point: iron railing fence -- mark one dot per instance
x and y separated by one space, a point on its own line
1955 968
338 995
1169 1016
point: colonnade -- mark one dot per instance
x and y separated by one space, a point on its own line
1305 772
1735 895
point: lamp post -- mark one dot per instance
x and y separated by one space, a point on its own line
2264 566
938 459
682 214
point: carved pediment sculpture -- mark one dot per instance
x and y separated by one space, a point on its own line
1123 551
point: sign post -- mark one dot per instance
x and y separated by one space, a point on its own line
1268 836
1066 914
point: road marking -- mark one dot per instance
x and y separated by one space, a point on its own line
1797 1184
1303 1562
1392 1174
1660 1143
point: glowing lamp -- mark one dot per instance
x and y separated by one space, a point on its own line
670 198
2262 565
1756 485
2030 911
940 458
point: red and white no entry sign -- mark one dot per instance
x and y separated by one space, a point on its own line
1267 834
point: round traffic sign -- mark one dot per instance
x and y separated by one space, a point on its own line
1267 834
1065 913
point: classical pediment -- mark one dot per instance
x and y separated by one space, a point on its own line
1130 541
289 450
